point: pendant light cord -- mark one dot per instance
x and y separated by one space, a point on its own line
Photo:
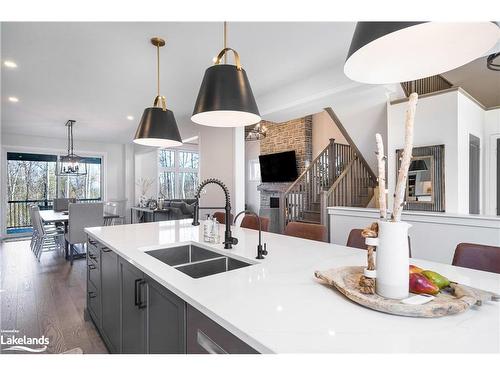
158 69
225 41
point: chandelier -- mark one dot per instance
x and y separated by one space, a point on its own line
71 164
255 132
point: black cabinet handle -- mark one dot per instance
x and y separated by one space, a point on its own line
92 242
92 295
106 249
92 267
92 256
138 294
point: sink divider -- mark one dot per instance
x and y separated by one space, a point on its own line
202 261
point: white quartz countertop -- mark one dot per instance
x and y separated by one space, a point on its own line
277 305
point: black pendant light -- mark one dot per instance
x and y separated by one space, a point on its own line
71 164
393 52
491 64
158 127
225 98
418 165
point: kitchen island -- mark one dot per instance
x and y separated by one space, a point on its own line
276 305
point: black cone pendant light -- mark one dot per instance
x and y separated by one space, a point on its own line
158 127
393 52
225 98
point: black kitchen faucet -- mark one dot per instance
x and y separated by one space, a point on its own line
229 240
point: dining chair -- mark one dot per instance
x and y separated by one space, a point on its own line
356 240
478 257
308 231
221 217
81 216
251 222
44 239
61 204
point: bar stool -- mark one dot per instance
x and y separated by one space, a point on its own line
221 217
356 240
316 232
251 222
478 257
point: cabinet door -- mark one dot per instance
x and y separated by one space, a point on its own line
204 336
166 322
110 299
133 309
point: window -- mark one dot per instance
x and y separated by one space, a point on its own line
32 179
178 173
87 187
254 170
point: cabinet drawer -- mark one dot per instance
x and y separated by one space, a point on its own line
205 336
93 253
93 275
94 303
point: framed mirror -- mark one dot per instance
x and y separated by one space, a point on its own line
425 184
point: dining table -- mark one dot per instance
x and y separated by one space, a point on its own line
62 217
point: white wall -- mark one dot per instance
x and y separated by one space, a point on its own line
470 121
146 168
436 123
324 128
491 134
217 161
434 236
449 119
252 195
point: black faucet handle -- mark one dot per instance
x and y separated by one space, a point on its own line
265 249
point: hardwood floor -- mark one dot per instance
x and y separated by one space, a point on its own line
45 298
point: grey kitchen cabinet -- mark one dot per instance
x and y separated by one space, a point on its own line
133 309
135 314
93 282
204 336
166 320
110 300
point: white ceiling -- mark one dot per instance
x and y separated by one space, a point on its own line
98 73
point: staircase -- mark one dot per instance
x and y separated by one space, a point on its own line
426 85
338 176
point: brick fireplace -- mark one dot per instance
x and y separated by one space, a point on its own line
293 135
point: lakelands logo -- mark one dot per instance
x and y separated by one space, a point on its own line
23 343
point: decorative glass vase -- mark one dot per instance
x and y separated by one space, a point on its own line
392 259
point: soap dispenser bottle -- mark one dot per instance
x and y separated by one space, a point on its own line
207 229
215 231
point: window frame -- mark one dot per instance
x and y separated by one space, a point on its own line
176 169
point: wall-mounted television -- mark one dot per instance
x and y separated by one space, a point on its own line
279 167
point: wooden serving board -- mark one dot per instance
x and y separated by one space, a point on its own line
455 299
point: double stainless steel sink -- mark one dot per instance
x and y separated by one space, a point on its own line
196 261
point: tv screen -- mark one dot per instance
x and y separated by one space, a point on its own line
280 167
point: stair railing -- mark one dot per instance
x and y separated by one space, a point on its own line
426 85
353 188
318 176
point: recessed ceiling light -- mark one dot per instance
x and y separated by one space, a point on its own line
130 118
13 99
10 64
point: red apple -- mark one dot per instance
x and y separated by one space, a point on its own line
420 284
415 269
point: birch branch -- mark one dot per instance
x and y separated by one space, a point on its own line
399 193
382 201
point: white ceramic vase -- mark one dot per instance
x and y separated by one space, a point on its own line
392 259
